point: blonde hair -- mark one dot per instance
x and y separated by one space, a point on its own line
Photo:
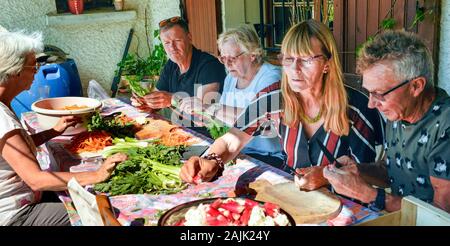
246 38
298 42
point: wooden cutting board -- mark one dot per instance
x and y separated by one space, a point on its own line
306 207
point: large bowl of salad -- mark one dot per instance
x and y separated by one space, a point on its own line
226 212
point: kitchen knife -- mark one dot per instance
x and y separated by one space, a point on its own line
329 156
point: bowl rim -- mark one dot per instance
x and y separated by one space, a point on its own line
56 112
162 220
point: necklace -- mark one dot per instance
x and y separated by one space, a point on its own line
309 120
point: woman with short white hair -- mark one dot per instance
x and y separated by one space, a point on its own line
21 179
247 76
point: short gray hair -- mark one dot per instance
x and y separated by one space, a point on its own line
14 47
246 38
407 53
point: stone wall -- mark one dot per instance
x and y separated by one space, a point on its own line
96 45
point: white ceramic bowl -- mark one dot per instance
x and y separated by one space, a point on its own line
49 111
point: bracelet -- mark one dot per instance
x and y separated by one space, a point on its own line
215 157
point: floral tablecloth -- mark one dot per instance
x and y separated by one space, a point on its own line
145 209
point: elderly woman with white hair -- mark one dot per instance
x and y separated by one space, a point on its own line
21 179
247 76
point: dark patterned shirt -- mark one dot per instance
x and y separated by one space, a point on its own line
420 150
366 130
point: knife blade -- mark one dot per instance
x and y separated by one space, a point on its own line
293 171
327 153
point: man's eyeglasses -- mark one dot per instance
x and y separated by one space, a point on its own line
164 23
36 66
230 59
305 63
381 96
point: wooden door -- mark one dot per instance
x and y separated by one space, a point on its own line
356 20
205 23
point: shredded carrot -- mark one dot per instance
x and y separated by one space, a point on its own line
73 107
90 142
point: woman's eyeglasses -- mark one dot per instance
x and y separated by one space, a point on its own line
36 66
305 63
229 59
164 23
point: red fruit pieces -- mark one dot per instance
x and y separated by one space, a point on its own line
216 204
180 222
233 207
245 217
271 209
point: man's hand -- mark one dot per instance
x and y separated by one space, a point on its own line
140 104
108 166
347 182
158 99
311 178
189 105
198 169
348 164
65 122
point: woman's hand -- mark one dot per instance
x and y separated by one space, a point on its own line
189 105
311 179
65 122
108 166
197 169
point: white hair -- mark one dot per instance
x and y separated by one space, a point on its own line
245 37
14 48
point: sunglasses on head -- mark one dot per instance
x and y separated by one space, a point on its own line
164 23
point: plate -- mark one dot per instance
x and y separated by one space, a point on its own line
177 213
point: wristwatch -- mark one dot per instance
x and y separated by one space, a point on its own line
380 201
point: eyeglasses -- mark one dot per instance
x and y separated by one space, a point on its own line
230 59
305 63
36 66
381 96
164 23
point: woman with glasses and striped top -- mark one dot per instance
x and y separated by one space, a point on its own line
311 105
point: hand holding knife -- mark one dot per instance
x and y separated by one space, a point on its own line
327 154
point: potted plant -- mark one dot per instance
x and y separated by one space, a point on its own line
136 69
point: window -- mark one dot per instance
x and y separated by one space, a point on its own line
282 14
62 7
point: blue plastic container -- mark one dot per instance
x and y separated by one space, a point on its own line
52 80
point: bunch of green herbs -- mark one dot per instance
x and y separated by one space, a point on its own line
110 124
151 170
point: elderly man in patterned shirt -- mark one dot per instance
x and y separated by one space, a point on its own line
397 71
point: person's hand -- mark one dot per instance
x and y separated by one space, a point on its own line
140 104
347 182
197 169
65 122
158 99
108 166
348 164
311 179
189 105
